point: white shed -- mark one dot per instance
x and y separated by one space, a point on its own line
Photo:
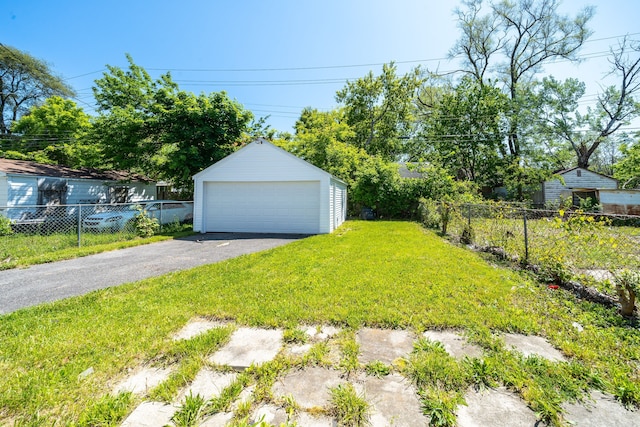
575 179
262 188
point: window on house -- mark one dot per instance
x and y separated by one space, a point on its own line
579 173
119 194
52 191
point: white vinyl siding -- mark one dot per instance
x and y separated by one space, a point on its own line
276 207
265 189
4 191
22 190
576 178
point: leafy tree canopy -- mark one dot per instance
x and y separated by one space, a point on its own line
153 127
627 170
25 82
55 133
379 110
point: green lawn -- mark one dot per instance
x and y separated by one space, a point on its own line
21 250
384 274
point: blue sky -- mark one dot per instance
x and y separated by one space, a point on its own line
274 57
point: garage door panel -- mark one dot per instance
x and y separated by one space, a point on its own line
280 207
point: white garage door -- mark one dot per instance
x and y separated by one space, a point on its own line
262 207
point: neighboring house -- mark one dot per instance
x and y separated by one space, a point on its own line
579 183
25 184
619 202
262 188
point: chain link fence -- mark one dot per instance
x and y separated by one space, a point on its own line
86 221
566 243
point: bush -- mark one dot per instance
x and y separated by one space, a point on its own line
145 225
5 226
627 285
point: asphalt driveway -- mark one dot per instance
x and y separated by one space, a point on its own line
42 283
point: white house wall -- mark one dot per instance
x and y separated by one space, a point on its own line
22 191
554 190
4 190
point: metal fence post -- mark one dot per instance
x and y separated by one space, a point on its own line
160 219
469 215
526 236
79 225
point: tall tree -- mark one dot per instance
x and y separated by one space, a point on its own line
25 81
153 127
464 132
512 42
321 139
586 131
379 110
54 132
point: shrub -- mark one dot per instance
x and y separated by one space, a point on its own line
627 285
145 225
5 226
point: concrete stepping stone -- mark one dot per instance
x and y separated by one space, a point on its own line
394 402
321 333
271 414
384 345
208 384
307 420
309 387
299 350
150 414
601 410
530 345
249 346
221 419
455 344
495 407
143 381
197 327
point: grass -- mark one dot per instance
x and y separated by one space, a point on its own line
378 274
21 250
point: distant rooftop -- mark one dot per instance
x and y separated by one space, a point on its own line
25 167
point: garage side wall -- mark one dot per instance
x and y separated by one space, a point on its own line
338 203
260 162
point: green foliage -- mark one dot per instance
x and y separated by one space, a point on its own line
107 411
379 110
145 225
440 406
627 169
464 131
350 350
295 336
481 372
431 366
349 408
153 127
5 226
54 132
531 34
627 283
25 81
190 412
224 400
377 369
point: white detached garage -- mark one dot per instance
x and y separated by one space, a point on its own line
262 188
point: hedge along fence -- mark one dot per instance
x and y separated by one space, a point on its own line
562 246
